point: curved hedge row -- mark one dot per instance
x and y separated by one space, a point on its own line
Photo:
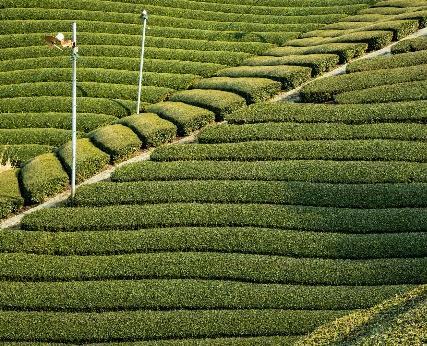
226 133
365 150
284 193
398 112
10 195
249 240
410 45
18 154
363 172
258 215
43 136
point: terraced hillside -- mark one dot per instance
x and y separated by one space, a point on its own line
287 217
210 47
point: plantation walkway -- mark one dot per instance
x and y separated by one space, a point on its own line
145 155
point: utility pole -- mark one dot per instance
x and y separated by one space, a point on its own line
141 65
74 111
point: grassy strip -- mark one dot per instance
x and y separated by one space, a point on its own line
317 113
319 63
99 75
44 136
258 215
250 240
62 104
289 193
378 63
42 177
87 121
18 154
366 150
217 101
150 94
345 51
226 133
252 89
90 159
206 266
153 325
150 128
409 91
186 294
300 170
289 76
325 89
186 118
10 195
410 45
366 325
119 141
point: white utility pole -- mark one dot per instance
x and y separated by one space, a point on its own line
74 111
141 65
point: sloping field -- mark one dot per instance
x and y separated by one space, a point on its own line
211 47
285 218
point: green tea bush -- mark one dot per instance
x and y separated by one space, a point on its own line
18 154
345 51
410 45
119 141
87 121
400 28
43 177
325 89
378 63
10 195
90 159
289 170
144 325
375 39
256 215
187 294
289 193
386 93
217 101
150 128
413 111
43 136
371 150
252 89
289 76
227 133
247 240
319 63
187 118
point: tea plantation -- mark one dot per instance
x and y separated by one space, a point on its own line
287 223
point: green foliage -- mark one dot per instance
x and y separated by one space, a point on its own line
386 93
186 294
400 28
155 325
43 177
226 133
345 51
18 154
150 128
381 62
375 39
119 141
10 195
384 150
325 89
252 89
414 111
410 45
255 215
217 101
90 159
44 136
319 63
364 172
284 193
87 121
289 76
187 118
